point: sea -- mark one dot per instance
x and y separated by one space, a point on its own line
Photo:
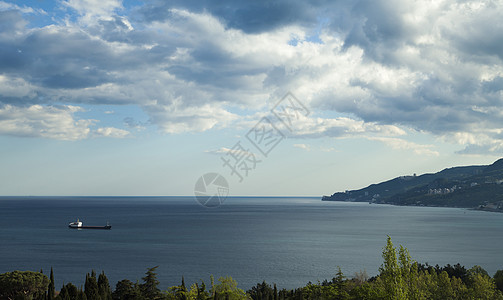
289 241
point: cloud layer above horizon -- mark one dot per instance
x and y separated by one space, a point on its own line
375 69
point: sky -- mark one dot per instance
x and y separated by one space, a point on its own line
294 98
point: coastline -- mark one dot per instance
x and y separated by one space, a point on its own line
480 208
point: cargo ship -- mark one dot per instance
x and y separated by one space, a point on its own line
78 225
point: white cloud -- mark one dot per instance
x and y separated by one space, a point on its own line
43 121
16 87
24 9
401 144
307 127
479 141
52 122
387 66
176 118
302 146
92 8
237 151
328 149
111 132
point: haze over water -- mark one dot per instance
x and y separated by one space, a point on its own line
288 241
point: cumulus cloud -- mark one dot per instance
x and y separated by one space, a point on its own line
4 6
91 11
111 132
175 118
387 66
448 59
307 127
302 146
43 121
401 144
53 122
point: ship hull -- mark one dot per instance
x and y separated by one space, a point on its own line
92 227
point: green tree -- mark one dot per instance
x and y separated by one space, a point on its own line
445 290
91 286
212 286
339 282
202 293
459 289
126 290
427 283
314 291
498 279
366 291
410 275
183 290
63 294
456 271
51 288
261 291
81 295
391 273
149 287
104 287
180 292
227 289
482 287
68 292
477 270
197 292
22 284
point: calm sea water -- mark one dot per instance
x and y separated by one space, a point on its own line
289 241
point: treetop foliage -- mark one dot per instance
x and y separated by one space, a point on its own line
400 277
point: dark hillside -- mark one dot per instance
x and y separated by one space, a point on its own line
469 186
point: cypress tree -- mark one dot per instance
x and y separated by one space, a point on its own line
51 287
71 291
62 292
81 295
65 293
201 291
212 282
184 290
104 287
91 286
498 279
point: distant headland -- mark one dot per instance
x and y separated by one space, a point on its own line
476 187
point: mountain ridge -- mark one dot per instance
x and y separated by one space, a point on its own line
478 187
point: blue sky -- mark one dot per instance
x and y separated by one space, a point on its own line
143 97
